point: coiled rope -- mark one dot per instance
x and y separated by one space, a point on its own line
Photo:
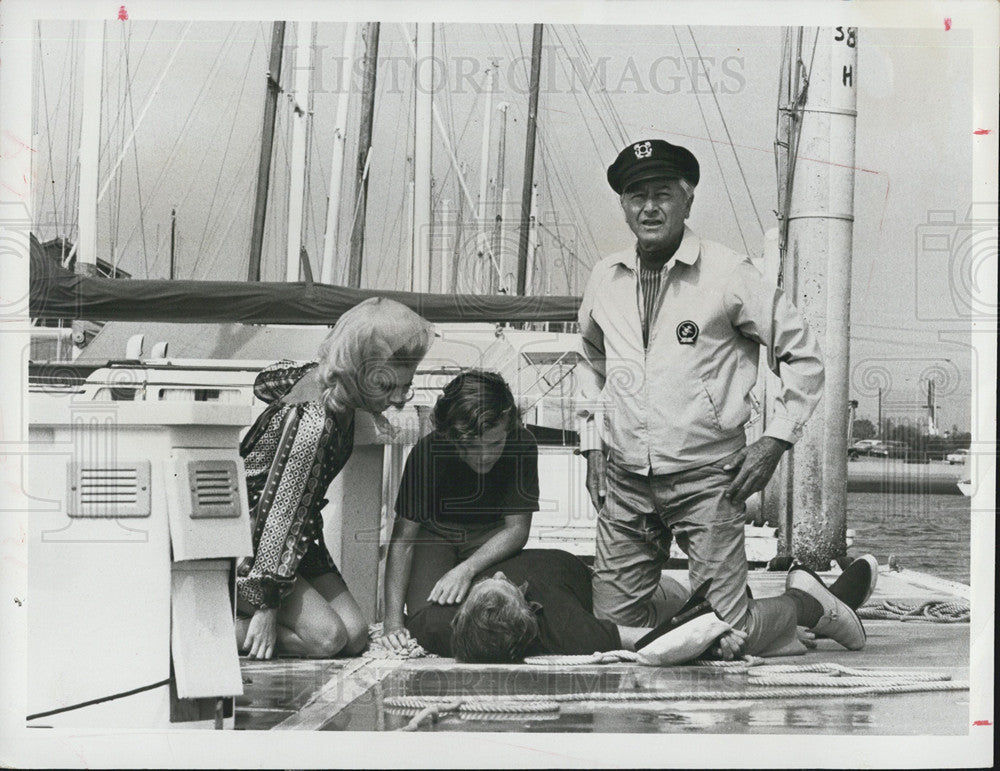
943 612
768 681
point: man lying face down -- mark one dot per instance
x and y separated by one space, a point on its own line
539 602
535 603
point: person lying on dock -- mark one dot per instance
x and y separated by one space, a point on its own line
465 501
536 602
539 602
291 597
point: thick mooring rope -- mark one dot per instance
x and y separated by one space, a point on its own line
533 703
953 612
768 681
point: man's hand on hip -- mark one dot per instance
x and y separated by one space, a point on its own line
597 469
756 464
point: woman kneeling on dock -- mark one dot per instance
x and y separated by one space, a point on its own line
465 501
291 596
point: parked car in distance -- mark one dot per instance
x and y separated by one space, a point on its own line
957 456
861 447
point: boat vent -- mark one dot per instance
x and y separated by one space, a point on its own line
214 489
109 492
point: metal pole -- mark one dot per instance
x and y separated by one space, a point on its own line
529 162
496 277
820 231
90 139
297 173
173 235
484 174
364 144
422 144
879 434
267 141
332 234
532 250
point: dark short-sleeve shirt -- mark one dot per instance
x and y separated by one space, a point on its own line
439 490
559 584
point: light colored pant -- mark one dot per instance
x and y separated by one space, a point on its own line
639 516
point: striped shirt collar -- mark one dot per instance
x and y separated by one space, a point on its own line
688 252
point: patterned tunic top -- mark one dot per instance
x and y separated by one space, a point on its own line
288 471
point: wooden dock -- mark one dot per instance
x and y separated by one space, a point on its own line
352 694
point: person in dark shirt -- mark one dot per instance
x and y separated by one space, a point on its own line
465 500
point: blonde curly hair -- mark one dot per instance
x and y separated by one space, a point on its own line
356 357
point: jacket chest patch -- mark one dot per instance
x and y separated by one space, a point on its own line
687 332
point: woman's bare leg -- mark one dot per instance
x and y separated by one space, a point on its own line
339 597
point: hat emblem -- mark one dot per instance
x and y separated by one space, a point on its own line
643 150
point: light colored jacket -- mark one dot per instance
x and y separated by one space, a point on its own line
684 401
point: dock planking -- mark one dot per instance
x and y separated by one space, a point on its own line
349 694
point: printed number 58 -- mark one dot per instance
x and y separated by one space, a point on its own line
851 35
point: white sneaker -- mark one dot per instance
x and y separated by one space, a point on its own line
838 621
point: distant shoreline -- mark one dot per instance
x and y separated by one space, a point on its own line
894 476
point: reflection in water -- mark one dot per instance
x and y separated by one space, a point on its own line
751 714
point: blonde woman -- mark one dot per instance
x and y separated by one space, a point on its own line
291 596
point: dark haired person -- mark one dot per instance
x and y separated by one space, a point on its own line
465 501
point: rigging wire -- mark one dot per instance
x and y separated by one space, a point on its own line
576 98
794 109
180 134
386 236
135 149
70 191
115 176
121 110
715 152
602 93
729 136
218 179
573 196
48 132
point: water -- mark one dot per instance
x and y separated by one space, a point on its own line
929 533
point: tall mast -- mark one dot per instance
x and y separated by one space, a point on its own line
90 140
422 143
496 276
527 187
364 147
297 175
264 165
484 177
332 234
819 237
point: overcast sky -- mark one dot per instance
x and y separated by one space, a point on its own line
195 94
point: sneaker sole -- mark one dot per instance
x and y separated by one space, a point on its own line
807 581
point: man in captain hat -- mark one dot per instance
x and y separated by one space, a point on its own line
671 330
